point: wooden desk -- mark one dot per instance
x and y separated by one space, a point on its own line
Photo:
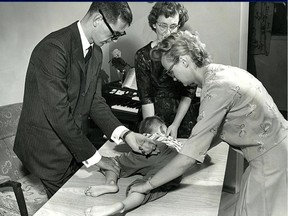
198 195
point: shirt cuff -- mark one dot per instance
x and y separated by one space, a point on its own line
117 133
198 92
92 160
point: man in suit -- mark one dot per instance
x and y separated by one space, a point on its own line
61 94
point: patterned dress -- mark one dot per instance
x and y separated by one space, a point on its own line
156 87
237 109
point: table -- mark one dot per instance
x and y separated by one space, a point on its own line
198 195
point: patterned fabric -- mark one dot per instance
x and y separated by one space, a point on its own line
12 168
4 212
34 194
156 87
263 189
9 117
10 165
260 27
168 140
236 108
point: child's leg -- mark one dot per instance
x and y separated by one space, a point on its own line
110 186
132 201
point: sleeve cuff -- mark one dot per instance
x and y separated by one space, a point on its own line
117 133
93 160
198 92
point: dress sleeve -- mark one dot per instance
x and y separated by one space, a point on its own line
216 102
143 78
189 91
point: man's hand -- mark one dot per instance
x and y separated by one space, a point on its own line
109 163
142 144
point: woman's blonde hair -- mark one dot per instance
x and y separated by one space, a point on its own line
179 44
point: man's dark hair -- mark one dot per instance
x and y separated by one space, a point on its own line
149 124
113 10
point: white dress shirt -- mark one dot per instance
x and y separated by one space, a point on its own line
119 130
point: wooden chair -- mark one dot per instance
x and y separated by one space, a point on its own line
6 182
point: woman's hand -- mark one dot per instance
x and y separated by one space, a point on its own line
172 130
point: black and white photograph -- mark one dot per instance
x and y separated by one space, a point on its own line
143 108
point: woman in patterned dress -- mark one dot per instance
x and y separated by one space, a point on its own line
235 108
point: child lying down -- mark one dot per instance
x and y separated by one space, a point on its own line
132 163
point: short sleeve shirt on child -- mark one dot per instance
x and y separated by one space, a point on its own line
132 163
135 163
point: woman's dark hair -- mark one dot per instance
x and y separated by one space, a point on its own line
113 11
180 44
168 9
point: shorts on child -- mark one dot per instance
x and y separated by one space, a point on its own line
132 163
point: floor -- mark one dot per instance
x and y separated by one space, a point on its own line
227 204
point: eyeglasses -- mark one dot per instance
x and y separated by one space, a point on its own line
115 34
165 27
169 72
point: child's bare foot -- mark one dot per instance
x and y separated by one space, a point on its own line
105 210
98 190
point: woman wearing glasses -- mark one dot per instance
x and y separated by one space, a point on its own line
159 93
235 108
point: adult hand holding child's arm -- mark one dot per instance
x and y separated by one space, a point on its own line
140 143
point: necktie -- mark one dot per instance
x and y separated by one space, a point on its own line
88 55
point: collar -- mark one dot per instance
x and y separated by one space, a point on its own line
84 40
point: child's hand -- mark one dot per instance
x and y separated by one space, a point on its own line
142 144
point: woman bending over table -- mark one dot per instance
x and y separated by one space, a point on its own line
234 108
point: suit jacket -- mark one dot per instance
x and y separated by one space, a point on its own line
52 125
